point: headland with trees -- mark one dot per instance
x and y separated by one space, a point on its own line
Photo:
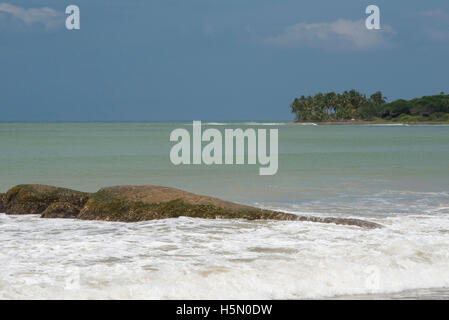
353 106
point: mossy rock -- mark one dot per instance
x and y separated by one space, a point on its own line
2 199
61 210
35 198
140 203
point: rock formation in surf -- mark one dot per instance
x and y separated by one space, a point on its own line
141 203
138 203
2 198
38 199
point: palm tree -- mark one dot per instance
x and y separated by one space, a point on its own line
378 99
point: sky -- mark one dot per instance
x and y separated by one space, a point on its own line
162 60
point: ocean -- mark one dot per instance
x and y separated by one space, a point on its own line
395 175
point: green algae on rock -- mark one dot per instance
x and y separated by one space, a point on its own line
36 198
138 203
2 199
61 210
141 203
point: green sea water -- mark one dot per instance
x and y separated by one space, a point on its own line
315 162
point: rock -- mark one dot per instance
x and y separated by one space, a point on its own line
36 198
342 221
61 210
2 199
139 203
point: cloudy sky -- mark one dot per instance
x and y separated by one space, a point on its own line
211 59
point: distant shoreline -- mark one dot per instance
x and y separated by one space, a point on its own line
353 107
355 122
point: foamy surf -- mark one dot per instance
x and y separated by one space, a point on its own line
241 124
387 124
216 259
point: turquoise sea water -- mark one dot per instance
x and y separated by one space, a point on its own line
315 162
396 175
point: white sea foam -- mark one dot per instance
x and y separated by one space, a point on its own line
386 124
242 123
196 258
264 123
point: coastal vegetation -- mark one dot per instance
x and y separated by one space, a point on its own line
355 106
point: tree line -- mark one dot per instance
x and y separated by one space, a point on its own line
352 104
